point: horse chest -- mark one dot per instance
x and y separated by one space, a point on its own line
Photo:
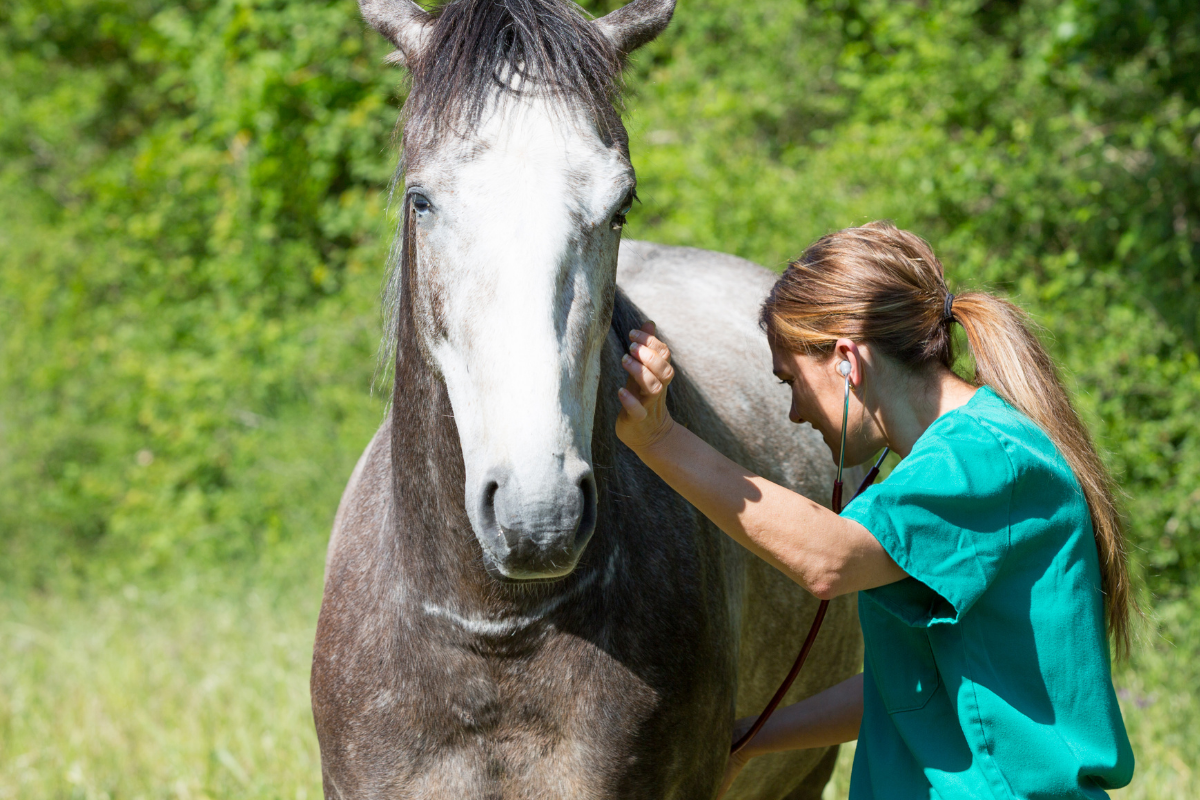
565 707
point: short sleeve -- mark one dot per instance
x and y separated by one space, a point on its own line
943 517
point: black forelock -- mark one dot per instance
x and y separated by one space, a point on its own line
477 47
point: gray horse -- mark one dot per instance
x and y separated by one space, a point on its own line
515 607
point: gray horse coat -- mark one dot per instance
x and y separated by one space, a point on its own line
515 606
620 681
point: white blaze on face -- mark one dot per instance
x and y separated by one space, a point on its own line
515 262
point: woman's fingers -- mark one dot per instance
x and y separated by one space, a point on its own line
654 360
633 407
643 380
648 327
646 380
646 336
650 351
644 418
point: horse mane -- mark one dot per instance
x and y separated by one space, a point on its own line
477 49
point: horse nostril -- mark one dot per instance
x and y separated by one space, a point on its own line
587 519
488 504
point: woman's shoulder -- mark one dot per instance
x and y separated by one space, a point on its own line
988 428
960 458
975 437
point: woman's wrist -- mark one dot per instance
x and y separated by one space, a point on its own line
740 728
656 444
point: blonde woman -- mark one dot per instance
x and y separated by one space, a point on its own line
990 565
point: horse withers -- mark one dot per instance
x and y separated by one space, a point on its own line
515 607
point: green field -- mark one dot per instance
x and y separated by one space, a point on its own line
181 694
194 692
193 231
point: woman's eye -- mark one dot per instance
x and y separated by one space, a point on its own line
420 203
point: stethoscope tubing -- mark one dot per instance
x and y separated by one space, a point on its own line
819 617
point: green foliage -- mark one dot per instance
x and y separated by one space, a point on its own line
194 225
189 257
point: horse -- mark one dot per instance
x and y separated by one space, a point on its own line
514 605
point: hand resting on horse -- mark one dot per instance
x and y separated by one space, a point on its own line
826 554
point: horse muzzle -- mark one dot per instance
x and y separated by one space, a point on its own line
535 530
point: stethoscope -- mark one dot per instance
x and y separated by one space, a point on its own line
844 370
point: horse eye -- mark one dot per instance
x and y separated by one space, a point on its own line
619 218
421 203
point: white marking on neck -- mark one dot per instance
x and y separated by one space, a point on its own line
507 626
480 626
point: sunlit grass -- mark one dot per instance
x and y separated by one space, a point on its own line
1157 688
186 694
202 692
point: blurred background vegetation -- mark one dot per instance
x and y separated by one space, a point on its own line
193 227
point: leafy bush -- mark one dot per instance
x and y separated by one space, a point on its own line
194 212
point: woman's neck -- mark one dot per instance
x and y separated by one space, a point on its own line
912 402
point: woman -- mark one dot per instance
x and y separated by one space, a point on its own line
990 565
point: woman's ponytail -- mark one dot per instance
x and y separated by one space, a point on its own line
1010 359
884 286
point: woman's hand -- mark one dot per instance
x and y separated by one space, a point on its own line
737 761
732 767
644 419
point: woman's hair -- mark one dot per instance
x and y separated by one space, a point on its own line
882 286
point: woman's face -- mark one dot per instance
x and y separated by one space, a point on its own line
818 392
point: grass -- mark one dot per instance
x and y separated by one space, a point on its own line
183 694
201 691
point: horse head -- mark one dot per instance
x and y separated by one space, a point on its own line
516 179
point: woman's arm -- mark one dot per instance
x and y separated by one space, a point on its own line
829 718
825 719
824 553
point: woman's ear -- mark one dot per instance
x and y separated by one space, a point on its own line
845 351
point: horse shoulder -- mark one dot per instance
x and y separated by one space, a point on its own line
366 500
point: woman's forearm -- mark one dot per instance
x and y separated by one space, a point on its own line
816 548
829 718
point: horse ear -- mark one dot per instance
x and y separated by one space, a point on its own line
636 23
402 22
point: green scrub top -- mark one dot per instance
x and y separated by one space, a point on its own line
987 671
